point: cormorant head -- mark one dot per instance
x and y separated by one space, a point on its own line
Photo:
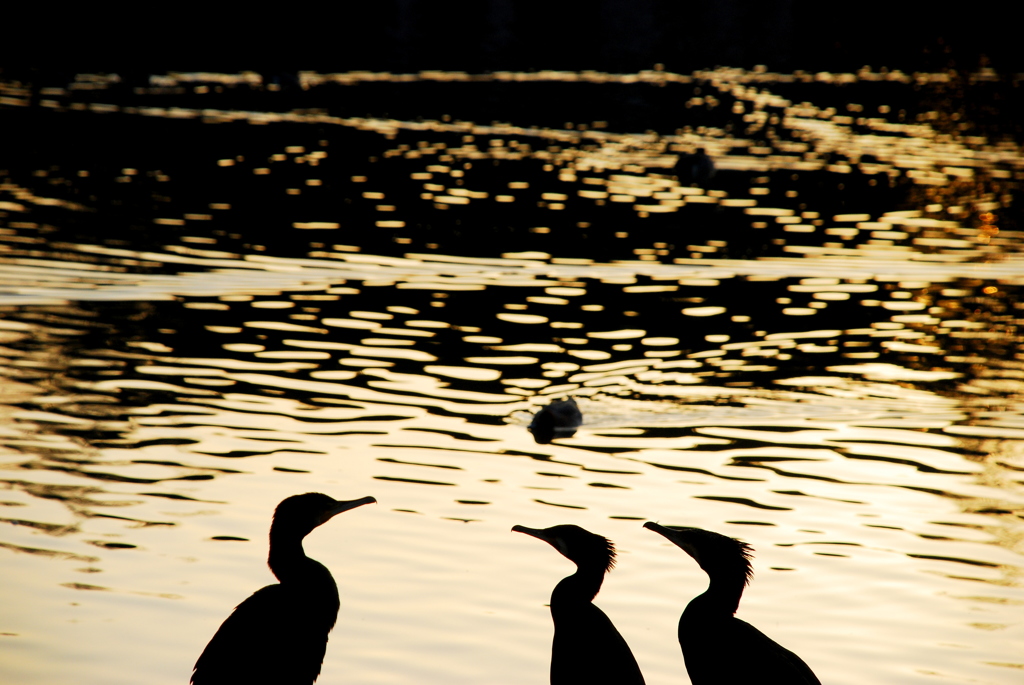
300 514
576 544
560 419
719 555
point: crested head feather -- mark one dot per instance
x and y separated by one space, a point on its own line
722 552
583 547
609 547
747 554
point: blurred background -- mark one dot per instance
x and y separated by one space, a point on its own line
524 35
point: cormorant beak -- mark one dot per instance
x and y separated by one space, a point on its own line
533 532
676 537
544 535
340 507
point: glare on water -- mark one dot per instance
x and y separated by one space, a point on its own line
815 350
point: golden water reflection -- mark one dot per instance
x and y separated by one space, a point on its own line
133 452
837 384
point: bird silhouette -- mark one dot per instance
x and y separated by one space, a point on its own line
279 634
694 168
719 648
560 419
587 649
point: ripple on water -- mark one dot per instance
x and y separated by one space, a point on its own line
833 382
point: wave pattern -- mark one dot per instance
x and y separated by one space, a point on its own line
817 351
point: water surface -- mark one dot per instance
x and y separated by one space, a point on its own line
223 294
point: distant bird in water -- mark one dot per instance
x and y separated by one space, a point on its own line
560 419
694 168
279 634
587 649
719 648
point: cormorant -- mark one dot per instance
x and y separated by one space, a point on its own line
587 649
560 419
719 648
279 634
694 168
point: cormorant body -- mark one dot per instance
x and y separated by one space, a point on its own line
279 634
560 419
694 168
587 649
720 649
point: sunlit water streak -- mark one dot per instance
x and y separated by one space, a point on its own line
850 408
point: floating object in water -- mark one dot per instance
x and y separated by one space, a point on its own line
560 419
587 648
694 168
279 634
719 648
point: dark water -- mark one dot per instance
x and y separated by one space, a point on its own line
216 294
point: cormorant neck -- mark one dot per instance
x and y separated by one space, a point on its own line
287 558
722 597
581 586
